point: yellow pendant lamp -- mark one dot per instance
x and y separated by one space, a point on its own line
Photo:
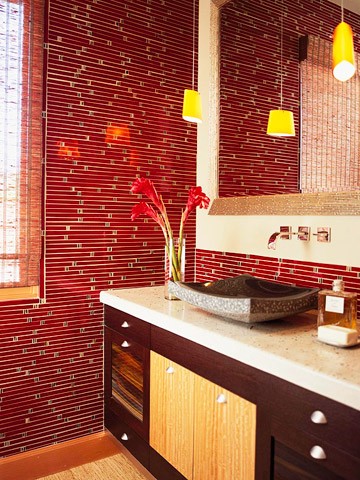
281 122
343 50
192 109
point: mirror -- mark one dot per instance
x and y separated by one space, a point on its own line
342 203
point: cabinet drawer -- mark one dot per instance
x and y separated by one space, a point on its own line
313 455
127 325
321 417
289 465
131 441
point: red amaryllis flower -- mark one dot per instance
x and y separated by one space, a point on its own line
196 198
144 208
145 186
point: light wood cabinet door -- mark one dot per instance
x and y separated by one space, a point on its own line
172 413
224 434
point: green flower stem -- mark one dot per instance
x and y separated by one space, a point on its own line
166 220
174 255
181 230
175 264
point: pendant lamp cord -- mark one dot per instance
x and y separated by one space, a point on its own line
193 58
281 55
342 10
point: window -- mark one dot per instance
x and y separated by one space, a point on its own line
21 49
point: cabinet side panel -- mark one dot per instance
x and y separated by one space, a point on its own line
225 426
171 413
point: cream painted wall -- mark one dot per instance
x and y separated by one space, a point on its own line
249 234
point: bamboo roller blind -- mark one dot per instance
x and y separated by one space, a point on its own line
330 137
21 47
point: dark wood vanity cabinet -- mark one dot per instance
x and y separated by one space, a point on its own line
126 388
312 436
300 435
126 381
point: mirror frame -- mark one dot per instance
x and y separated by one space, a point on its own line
332 203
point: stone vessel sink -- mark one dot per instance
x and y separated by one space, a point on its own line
246 298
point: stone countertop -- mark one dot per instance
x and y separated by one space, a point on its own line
287 348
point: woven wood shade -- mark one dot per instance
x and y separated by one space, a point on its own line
330 148
21 141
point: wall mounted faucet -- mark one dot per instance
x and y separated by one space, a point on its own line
303 233
323 235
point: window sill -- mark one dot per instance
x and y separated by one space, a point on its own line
19 293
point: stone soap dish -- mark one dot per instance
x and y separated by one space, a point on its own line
246 298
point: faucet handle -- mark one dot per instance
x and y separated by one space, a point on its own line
286 232
323 234
303 233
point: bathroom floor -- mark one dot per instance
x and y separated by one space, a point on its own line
97 457
118 467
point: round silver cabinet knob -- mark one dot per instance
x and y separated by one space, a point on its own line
125 324
318 417
318 453
125 344
170 370
124 437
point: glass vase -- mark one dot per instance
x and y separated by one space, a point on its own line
174 265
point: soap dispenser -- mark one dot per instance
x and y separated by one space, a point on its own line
337 307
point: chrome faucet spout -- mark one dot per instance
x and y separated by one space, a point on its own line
274 237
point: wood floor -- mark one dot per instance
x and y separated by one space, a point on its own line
96 457
115 467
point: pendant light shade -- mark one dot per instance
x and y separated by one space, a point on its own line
343 52
192 110
281 123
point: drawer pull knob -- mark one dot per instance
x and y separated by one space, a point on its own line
125 344
125 324
170 370
318 453
221 398
318 417
124 437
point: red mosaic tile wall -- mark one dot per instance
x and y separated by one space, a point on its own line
116 73
251 162
115 78
211 265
